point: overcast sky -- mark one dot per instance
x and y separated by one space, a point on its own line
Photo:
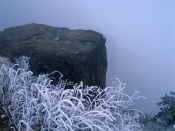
140 37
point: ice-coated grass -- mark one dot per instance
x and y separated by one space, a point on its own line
34 102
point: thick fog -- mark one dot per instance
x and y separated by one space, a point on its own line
140 37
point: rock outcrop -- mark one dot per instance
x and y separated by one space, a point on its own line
80 55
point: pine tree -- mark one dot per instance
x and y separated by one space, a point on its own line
166 115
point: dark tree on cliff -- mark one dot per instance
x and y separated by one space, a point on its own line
166 115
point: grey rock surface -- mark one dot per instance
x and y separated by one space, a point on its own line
80 55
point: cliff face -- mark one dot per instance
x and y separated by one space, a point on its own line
78 54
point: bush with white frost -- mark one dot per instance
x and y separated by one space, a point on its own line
33 102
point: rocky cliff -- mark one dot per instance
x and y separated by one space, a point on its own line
80 55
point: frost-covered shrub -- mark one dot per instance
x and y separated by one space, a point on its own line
4 60
33 102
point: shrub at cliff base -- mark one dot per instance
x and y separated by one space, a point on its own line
34 103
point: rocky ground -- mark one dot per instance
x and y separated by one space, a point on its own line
4 121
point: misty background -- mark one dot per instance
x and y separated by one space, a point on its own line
140 37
